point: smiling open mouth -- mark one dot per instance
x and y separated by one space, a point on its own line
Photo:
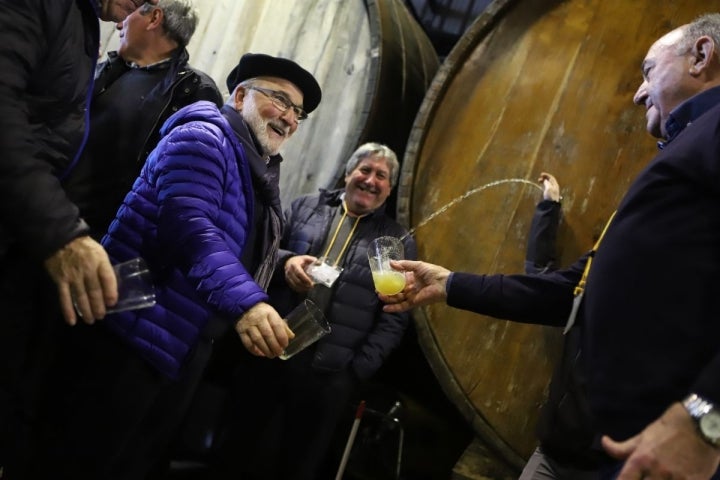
278 130
367 189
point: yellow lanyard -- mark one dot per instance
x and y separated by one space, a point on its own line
337 231
580 287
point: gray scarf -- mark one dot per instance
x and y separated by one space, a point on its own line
266 179
273 224
267 189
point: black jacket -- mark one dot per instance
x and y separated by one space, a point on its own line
362 334
115 153
48 50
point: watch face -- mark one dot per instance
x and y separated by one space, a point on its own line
710 425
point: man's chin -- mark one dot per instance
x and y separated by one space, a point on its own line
363 209
655 131
269 146
271 152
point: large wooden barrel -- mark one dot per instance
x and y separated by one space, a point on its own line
533 85
372 60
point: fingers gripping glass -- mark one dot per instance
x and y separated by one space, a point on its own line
135 287
281 102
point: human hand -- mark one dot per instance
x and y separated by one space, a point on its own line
424 284
295 275
263 332
670 447
551 187
82 272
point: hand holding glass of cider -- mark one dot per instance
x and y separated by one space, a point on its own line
380 252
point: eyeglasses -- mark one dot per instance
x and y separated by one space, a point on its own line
281 102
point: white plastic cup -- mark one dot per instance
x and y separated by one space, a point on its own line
308 324
135 286
381 251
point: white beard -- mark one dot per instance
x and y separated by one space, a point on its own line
259 127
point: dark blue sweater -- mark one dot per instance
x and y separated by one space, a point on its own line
362 334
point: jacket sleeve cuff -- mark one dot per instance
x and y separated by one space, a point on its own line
80 229
462 289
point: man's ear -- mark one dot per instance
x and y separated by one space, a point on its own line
703 52
239 97
156 18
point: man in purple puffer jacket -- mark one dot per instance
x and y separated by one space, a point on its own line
205 214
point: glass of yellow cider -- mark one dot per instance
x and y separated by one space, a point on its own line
380 252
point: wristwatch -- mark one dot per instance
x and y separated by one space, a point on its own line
706 416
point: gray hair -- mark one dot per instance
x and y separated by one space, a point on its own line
708 24
369 149
230 101
179 19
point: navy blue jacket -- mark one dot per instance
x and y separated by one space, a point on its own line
362 334
652 313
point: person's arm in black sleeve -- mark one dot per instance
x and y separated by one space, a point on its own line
542 238
538 299
34 209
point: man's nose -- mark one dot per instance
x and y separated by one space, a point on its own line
370 178
290 117
640 94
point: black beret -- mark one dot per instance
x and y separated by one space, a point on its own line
253 65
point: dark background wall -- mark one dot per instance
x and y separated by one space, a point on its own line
445 21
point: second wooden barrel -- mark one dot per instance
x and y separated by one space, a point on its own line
534 85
